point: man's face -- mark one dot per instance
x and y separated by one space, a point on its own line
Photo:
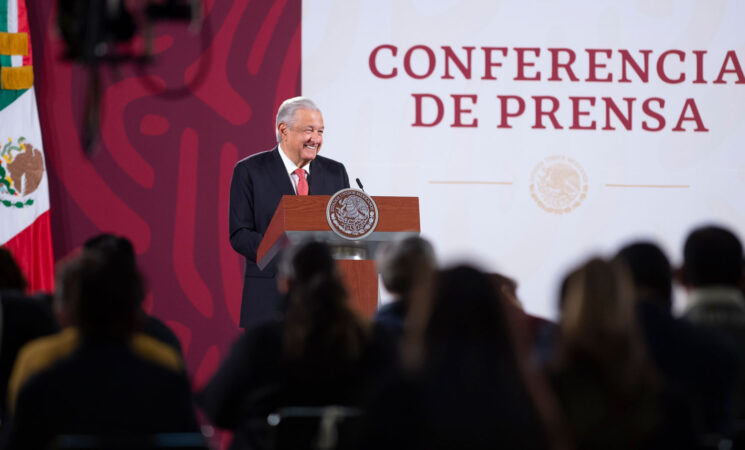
302 137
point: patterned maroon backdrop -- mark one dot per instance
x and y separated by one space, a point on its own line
160 171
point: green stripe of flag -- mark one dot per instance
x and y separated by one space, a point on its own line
9 96
6 96
4 15
4 59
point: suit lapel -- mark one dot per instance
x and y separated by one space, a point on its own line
278 174
315 178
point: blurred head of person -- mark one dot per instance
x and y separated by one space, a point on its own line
712 256
650 273
11 276
464 308
598 322
465 304
301 263
318 318
118 251
96 296
507 288
464 331
405 264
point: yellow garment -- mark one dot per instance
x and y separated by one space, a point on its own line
13 43
157 352
16 78
40 354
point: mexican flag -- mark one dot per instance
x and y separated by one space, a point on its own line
24 192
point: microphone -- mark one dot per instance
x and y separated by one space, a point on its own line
359 183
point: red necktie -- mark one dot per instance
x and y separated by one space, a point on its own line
302 183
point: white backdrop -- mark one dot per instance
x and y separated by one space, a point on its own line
490 194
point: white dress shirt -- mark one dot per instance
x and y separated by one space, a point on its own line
291 167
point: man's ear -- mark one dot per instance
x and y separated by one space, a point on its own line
282 128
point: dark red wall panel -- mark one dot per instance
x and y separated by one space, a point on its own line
160 169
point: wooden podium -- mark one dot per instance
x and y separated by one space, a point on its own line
301 218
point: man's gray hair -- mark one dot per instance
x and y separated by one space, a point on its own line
287 110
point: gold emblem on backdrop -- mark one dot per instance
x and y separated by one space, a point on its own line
558 184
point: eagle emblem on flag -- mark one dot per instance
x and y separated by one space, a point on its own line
21 172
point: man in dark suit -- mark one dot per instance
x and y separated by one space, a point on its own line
712 267
293 167
694 364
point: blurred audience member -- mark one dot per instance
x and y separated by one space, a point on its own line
321 353
22 319
693 362
119 251
650 272
711 274
467 387
405 266
609 391
98 376
11 277
538 333
506 288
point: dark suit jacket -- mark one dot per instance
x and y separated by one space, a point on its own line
258 184
693 362
393 316
725 319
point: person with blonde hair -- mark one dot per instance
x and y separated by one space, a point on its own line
607 386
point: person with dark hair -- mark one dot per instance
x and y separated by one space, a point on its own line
120 251
537 333
11 276
99 376
319 353
466 386
650 273
692 362
712 256
23 318
405 266
608 388
711 275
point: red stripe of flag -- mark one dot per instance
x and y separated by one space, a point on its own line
32 249
24 28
